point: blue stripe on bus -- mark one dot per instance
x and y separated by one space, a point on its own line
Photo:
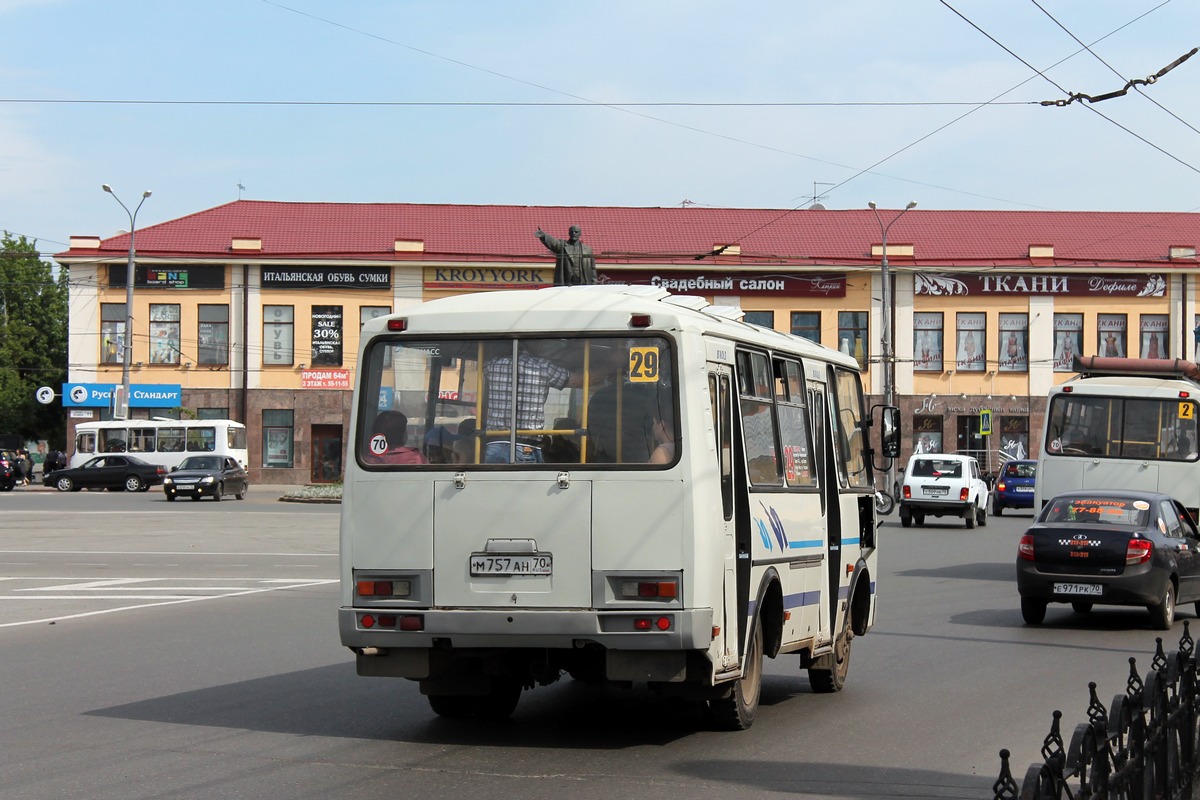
806 543
801 599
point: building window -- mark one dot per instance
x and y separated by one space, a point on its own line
279 331
212 413
927 434
278 429
166 413
213 334
1014 343
1014 438
164 333
1154 336
927 342
852 336
807 324
763 319
112 333
1068 328
972 342
1112 330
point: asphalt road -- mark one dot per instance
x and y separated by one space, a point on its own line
190 650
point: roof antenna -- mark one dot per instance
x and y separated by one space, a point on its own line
817 198
240 189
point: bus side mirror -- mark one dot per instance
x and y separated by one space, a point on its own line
889 430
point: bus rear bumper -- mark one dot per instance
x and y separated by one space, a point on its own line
660 646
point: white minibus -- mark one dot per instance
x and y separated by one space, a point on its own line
661 494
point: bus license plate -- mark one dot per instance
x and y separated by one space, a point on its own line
1078 588
497 564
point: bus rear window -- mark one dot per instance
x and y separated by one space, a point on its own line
574 400
1120 427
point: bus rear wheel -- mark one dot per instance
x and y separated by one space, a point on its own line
826 680
498 704
737 706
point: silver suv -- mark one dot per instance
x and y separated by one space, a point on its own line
940 484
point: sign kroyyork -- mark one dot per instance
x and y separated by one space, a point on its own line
1014 284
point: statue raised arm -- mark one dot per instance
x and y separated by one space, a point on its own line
574 264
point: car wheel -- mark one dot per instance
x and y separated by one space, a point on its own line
170 497
1081 607
970 517
735 709
981 517
220 490
1163 613
998 509
241 495
133 483
1033 611
65 484
905 519
919 518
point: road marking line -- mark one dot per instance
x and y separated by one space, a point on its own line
47 620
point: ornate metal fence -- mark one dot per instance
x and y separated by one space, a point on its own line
1144 749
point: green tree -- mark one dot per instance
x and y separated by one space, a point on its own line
33 341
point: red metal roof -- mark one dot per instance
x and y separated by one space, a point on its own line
804 237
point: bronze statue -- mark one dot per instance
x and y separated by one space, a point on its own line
575 264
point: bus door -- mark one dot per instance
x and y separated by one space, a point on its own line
735 555
820 402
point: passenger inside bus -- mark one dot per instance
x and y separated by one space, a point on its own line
536 376
664 435
387 445
464 447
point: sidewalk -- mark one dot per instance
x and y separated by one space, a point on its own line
287 493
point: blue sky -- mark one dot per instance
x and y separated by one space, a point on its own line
755 104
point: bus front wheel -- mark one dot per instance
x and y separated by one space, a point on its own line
737 706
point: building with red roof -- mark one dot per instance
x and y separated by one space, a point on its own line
988 305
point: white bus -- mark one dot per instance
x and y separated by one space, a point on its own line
665 495
1124 423
160 440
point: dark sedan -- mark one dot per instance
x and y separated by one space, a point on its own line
1110 547
108 472
207 476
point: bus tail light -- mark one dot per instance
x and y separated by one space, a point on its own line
652 623
642 589
397 325
1138 551
405 622
382 589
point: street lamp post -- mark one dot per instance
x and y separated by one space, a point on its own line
121 410
888 303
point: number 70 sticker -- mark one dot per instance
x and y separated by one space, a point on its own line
1187 410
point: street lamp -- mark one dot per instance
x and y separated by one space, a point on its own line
121 410
888 303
